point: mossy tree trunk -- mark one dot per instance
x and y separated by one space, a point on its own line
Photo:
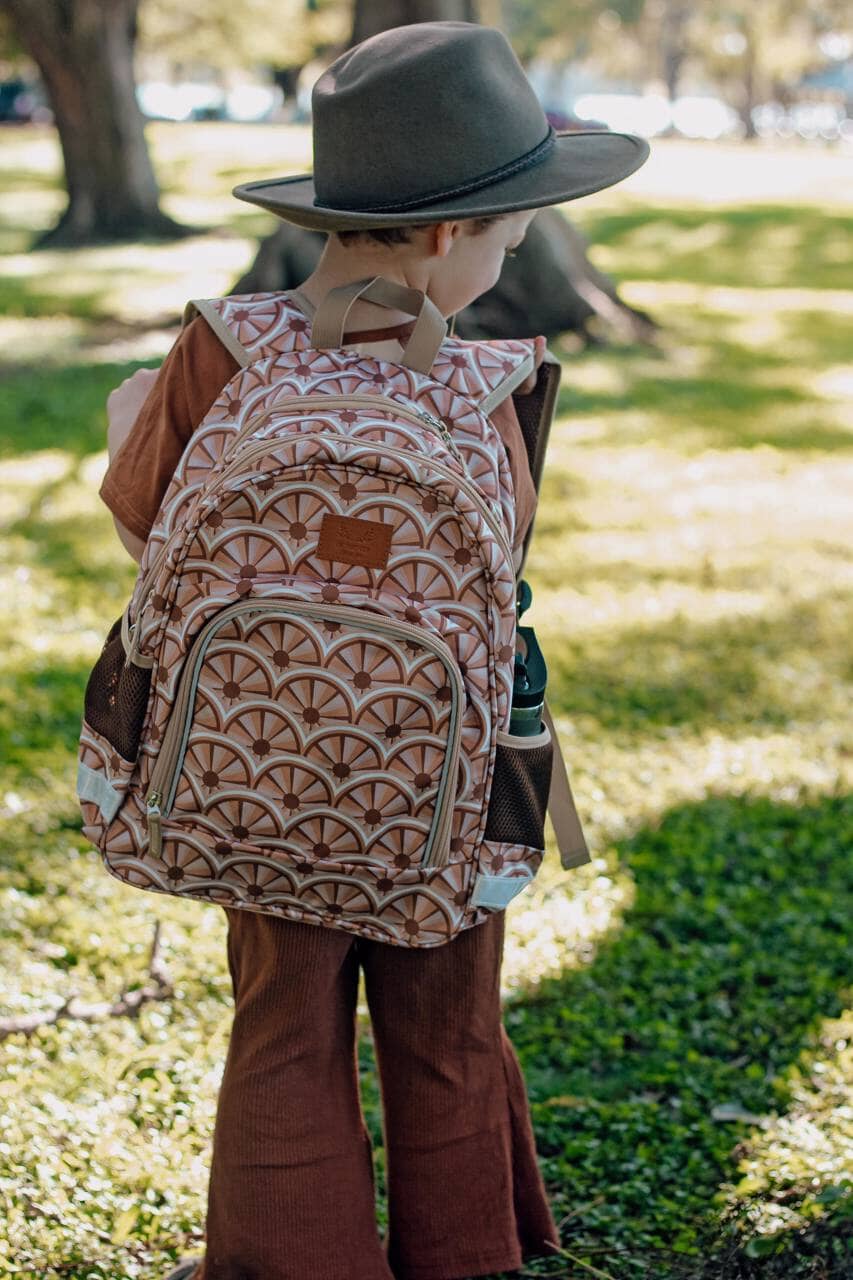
84 51
372 16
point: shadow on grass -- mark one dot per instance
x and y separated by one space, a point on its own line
721 674
737 392
64 547
58 408
761 246
703 398
27 297
736 948
40 713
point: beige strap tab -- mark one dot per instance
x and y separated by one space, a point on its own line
302 300
499 393
561 807
220 328
128 640
430 325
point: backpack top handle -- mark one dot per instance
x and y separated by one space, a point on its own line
430 325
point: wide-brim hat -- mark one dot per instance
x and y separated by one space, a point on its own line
435 121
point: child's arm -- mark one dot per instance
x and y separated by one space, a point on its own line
152 416
123 406
530 381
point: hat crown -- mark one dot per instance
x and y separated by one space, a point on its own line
417 112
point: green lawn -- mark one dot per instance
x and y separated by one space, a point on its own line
683 1006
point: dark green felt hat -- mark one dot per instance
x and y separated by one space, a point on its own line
434 121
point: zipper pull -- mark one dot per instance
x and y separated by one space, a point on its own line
155 833
133 651
443 431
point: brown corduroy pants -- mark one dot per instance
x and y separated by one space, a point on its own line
291 1192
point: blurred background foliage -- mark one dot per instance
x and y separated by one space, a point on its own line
682 1007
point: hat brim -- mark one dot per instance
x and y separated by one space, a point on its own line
577 165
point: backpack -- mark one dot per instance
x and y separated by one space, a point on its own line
303 709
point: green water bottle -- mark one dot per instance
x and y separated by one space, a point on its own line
530 677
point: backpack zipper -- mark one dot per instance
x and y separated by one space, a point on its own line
317 400
492 518
164 775
313 400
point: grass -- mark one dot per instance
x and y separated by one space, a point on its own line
797 247
681 1007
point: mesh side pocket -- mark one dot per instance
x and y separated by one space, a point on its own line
117 695
520 786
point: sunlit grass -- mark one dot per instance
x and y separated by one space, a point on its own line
797 1162
799 247
691 575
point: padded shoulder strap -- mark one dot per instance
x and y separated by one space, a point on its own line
255 325
485 372
204 307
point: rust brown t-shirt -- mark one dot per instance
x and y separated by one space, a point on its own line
190 379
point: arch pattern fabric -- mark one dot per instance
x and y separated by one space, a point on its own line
323 630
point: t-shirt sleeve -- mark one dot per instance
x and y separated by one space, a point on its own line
190 378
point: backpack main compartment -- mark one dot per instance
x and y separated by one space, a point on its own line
303 709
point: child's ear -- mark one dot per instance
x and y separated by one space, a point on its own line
442 235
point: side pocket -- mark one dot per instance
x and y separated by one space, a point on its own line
116 694
520 786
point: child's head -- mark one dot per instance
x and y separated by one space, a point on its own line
462 258
432 129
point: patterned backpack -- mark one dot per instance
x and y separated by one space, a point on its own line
303 710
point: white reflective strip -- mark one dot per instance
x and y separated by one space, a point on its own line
497 891
93 786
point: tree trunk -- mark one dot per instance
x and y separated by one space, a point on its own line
84 51
748 86
674 44
551 287
372 16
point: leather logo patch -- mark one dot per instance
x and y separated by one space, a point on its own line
363 542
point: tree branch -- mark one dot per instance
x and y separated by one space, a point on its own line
128 1004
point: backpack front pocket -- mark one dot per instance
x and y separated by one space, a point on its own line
322 734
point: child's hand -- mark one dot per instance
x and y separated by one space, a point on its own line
123 405
530 381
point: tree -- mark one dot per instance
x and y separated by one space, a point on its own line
750 50
373 16
84 51
253 33
758 52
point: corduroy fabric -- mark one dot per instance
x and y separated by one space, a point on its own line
291 1194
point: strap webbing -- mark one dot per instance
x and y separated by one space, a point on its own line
561 807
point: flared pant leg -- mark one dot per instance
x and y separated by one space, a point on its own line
465 1194
291 1182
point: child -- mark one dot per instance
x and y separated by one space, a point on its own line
432 155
